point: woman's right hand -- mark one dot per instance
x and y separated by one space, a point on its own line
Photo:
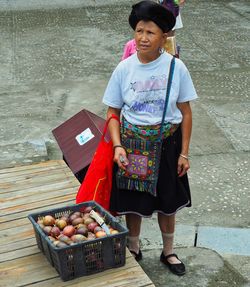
120 157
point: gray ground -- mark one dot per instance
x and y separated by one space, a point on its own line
56 58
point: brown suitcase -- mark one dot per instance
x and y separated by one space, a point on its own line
78 138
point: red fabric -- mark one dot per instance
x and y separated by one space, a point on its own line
97 183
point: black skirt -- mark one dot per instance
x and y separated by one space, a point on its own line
173 192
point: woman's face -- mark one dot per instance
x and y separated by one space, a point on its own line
149 39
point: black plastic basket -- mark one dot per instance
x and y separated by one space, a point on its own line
87 257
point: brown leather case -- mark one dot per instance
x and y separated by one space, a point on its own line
77 156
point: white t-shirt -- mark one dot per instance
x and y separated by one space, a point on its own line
139 90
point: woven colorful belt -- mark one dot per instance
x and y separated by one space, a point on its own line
150 132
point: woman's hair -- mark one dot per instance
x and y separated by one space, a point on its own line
152 11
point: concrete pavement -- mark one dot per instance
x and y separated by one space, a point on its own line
56 58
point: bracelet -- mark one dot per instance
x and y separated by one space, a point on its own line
182 155
118 145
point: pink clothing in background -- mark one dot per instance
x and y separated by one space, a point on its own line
129 49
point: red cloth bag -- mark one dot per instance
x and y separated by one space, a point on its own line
97 183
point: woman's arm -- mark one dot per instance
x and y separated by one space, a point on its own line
114 130
186 129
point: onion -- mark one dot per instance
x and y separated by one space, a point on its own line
55 231
100 233
88 220
91 236
47 230
97 228
61 244
82 230
86 215
64 238
61 223
65 218
69 230
78 238
49 220
73 217
92 226
81 225
77 221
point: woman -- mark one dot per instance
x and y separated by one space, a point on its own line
135 93
130 46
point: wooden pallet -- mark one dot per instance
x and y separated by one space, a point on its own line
38 187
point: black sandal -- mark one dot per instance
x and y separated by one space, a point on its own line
137 256
177 268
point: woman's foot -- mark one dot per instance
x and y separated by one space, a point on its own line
133 245
173 263
137 256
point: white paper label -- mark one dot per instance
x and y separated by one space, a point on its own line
84 136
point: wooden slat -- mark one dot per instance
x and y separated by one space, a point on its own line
26 174
42 187
37 179
47 165
33 175
16 234
37 269
46 206
37 195
33 205
63 184
15 223
127 276
19 253
17 245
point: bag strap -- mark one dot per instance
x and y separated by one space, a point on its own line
113 116
170 78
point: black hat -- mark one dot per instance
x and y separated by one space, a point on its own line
152 11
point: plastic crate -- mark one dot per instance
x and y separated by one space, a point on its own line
87 257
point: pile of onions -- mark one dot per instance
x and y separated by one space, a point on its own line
72 228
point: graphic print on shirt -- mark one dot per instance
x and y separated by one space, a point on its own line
148 94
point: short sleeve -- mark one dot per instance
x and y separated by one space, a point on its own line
187 90
113 95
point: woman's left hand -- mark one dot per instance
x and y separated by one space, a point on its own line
183 166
